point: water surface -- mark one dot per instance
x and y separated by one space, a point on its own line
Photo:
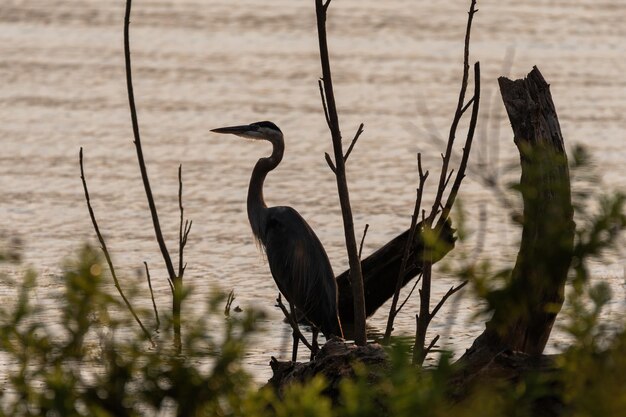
205 64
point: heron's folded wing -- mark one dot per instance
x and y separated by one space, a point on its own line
298 260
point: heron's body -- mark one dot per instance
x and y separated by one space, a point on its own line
296 257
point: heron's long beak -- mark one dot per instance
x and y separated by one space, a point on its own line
235 130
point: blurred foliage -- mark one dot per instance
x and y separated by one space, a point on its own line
600 222
90 364
93 361
10 248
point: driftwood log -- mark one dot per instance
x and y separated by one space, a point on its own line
381 271
526 309
335 361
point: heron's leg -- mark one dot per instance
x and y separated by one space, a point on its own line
294 351
316 347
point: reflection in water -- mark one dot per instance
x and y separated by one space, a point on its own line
204 64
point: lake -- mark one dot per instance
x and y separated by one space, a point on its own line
199 65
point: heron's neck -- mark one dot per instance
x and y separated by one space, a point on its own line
257 209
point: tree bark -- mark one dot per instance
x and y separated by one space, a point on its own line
328 97
382 268
526 309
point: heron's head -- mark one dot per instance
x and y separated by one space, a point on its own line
259 130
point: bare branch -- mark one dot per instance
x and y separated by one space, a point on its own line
445 185
417 280
183 231
330 163
420 171
356 137
103 246
466 149
450 293
293 323
407 249
175 281
142 165
229 302
324 105
469 103
431 345
367 226
356 275
419 351
154 306
181 239
457 116
186 235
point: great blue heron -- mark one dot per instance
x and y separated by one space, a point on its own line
295 255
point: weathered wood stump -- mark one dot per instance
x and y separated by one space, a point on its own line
526 309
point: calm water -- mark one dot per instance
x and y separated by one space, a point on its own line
204 64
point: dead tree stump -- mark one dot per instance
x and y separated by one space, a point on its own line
526 309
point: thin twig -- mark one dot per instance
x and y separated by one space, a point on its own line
417 348
425 317
431 345
417 280
367 226
469 103
142 165
183 231
181 245
356 137
229 302
154 306
407 249
445 185
103 246
450 293
293 323
330 163
466 149
457 116
171 285
324 105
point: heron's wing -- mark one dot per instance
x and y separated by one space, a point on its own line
299 264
